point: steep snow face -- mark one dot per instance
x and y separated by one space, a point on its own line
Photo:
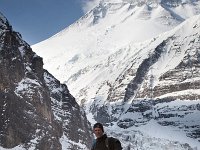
172 62
123 52
105 29
98 31
179 52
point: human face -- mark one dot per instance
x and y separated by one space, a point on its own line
98 132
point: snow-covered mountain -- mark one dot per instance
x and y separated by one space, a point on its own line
103 31
36 110
134 65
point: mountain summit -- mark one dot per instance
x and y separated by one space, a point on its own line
107 28
134 65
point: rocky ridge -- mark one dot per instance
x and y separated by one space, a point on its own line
37 111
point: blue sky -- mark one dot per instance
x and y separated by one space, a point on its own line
38 20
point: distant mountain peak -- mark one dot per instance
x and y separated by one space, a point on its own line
127 64
173 10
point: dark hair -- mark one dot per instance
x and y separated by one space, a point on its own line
98 125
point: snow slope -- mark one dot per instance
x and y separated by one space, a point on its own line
119 44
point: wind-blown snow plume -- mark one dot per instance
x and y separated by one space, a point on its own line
88 5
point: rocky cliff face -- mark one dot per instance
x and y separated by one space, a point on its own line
165 85
37 112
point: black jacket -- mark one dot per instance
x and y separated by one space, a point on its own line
104 142
100 143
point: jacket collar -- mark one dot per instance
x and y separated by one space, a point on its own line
103 137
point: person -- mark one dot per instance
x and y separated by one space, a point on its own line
102 142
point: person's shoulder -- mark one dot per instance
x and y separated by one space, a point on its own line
113 139
115 142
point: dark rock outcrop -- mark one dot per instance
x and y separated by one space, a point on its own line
36 110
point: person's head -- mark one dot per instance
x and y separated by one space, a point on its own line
98 130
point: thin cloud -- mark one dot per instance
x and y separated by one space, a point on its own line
87 5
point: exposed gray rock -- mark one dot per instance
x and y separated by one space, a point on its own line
36 110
